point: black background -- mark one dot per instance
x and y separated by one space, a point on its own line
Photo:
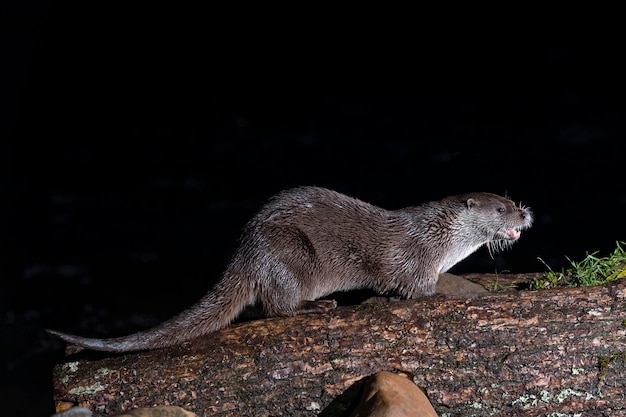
136 142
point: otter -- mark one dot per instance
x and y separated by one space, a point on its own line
309 242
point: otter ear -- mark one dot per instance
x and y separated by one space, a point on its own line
471 203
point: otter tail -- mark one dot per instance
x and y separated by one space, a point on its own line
214 311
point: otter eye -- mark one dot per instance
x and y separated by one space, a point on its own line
501 210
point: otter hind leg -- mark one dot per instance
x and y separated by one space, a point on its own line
288 284
281 301
281 297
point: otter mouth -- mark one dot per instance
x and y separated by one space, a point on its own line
509 233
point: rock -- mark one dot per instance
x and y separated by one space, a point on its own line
391 395
452 284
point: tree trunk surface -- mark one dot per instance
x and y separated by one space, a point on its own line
511 353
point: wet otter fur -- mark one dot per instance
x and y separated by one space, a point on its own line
309 242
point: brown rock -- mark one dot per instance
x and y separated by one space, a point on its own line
391 395
452 284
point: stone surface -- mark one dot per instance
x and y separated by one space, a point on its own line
453 284
392 395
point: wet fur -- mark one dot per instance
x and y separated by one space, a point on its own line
308 242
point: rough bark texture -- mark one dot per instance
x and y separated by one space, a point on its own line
528 353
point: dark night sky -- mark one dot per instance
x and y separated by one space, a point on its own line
136 143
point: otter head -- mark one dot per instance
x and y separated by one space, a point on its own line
499 220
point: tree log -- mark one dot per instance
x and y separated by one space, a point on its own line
529 353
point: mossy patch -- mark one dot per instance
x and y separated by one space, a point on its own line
605 361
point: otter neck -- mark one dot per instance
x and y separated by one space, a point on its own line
452 231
